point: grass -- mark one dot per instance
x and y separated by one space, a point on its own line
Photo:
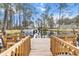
18 31
11 31
62 30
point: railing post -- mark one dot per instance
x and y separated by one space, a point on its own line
12 53
19 50
56 44
23 50
53 45
26 48
29 44
58 47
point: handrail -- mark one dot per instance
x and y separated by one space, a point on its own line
14 38
60 47
69 38
10 39
21 48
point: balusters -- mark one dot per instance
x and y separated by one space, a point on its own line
51 43
19 49
12 53
59 46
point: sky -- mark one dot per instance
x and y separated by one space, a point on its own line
40 8
72 12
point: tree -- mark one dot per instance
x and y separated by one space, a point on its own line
62 7
65 21
6 10
27 13
10 18
19 9
50 21
76 20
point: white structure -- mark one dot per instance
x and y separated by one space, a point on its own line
71 26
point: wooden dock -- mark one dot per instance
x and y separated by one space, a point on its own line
40 47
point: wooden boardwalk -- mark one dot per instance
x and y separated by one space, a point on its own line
40 47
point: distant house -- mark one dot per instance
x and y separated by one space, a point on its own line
71 26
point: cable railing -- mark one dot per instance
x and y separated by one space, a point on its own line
21 48
60 47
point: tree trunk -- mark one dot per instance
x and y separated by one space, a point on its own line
5 21
19 20
10 24
59 17
24 18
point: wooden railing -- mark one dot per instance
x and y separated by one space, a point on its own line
11 39
69 38
22 48
60 47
